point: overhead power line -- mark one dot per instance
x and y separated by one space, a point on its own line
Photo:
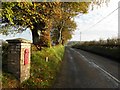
102 19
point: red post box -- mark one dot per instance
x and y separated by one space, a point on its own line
26 56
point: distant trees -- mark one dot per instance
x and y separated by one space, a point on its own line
107 42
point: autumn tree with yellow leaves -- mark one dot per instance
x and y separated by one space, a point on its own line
48 21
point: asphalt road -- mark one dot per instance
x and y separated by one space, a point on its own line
81 69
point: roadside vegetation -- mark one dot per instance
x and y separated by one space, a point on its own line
49 22
52 25
109 48
44 67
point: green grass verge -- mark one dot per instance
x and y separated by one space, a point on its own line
43 73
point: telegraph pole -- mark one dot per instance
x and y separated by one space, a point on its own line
80 36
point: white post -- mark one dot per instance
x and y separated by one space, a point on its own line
119 20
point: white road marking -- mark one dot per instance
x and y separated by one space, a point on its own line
95 65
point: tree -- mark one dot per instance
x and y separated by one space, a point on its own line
41 18
63 32
36 16
66 22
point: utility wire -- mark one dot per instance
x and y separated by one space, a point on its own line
102 19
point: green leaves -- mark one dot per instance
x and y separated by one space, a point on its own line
9 14
44 16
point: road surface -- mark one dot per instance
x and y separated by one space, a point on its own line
81 69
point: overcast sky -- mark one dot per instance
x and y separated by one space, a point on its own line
107 28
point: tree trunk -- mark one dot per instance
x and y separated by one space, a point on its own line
36 39
49 39
35 36
60 33
60 36
44 40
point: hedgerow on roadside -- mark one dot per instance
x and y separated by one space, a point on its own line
109 48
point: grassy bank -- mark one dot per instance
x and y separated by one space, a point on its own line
44 66
43 71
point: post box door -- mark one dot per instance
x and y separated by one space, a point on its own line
26 56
